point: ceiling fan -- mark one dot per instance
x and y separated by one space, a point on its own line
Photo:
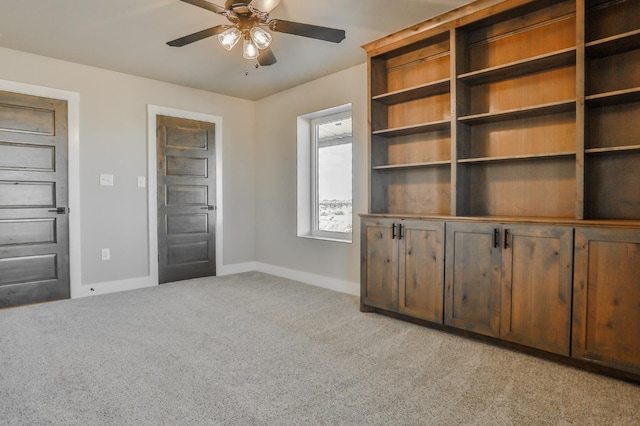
248 17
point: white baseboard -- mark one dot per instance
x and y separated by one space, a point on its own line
236 268
114 286
311 279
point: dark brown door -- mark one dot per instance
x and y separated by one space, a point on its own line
472 277
536 286
186 199
34 242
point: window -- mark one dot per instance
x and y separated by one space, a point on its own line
325 175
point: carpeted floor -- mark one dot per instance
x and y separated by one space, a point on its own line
253 349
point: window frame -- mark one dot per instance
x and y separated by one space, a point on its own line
307 174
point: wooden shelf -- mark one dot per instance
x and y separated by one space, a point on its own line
413 129
510 158
614 98
514 114
613 149
526 66
412 93
618 43
412 165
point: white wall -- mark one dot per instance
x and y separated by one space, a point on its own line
277 245
259 170
113 139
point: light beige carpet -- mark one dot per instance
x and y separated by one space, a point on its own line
253 349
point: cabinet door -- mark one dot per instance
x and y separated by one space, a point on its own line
537 267
379 270
472 277
606 298
421 270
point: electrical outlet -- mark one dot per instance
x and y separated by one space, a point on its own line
106 254
106 180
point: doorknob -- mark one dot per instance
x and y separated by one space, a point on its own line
209 208
60 210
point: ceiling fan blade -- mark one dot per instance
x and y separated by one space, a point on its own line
265 5
306 30
188 39
206 5
267 58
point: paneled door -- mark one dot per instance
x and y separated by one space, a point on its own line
186 199
379 263
421 270
34 225
537 268
473 264
606 297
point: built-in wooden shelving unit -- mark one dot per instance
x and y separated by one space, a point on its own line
506 133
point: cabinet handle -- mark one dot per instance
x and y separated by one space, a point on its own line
393 232
506 238
496 238
400 227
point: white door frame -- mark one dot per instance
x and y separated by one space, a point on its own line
73 168
152 179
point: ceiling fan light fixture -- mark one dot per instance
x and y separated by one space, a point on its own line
229 37
249 49
260 37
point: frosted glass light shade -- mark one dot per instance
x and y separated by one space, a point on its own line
229 37
249 49
260 37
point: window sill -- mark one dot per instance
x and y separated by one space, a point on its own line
347 240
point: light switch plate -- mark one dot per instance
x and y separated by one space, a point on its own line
106 180
141 182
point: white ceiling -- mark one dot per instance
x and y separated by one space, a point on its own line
130 36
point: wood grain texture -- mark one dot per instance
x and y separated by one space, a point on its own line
542 188
186 189
379 264
421 280
424 190
606 17
542 31
25 157
606 298
612 126
34 242
420 68
434 108
423 147
615 72
613 184
26 118
537 267
536 135
473 268
524 91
